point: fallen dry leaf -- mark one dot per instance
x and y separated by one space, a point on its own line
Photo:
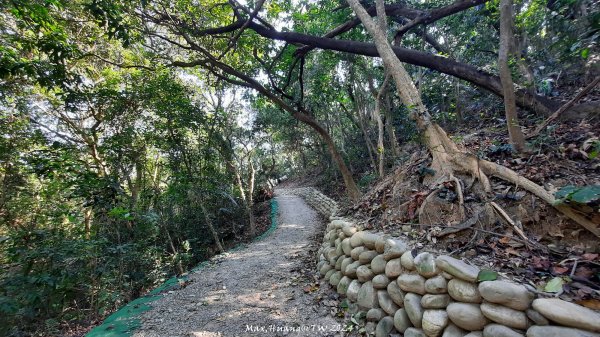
540 263
584 272
591 303
555 231
504 240
589 256
512 251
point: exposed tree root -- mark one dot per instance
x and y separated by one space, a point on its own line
528 185
448 158
459 193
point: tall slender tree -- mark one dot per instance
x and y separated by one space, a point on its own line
515 134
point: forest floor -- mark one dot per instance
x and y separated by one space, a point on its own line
553 254
267 288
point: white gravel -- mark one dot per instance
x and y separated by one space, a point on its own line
256 291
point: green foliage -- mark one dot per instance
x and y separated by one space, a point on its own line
93 214
367 179
555 285
487 275
585 195
594 149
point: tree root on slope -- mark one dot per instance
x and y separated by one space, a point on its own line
447 159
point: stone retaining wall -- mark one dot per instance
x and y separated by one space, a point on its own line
317 200
428 295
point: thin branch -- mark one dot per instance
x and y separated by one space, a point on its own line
565 107
476 229
400 10
237 35
119 65
439 13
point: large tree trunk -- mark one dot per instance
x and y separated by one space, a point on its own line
512 121
446 156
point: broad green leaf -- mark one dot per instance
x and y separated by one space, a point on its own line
487 275
565 191
585 52
555 285
587 194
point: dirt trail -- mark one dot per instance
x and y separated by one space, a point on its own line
256 291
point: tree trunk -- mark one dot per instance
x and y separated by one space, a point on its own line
380 145
87 221
446 156
377 95
250 198
351 187
382 22
512 121
247 202
137 184
365 132
211 228
389 125
368 142
459 113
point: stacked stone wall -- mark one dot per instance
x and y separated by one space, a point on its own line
418 295
317 200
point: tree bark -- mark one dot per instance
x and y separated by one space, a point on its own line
512 121
248 203
446 156
250 199
442 64
357 103
211 228
351 187
377 95
389 125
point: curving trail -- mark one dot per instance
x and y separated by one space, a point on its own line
255 291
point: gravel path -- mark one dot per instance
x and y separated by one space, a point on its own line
256 291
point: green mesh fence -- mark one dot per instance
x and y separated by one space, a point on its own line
126 320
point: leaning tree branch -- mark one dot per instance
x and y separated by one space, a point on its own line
442 64
239 32
391 10
400 10
525 99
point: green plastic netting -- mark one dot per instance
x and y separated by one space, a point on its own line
126 320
